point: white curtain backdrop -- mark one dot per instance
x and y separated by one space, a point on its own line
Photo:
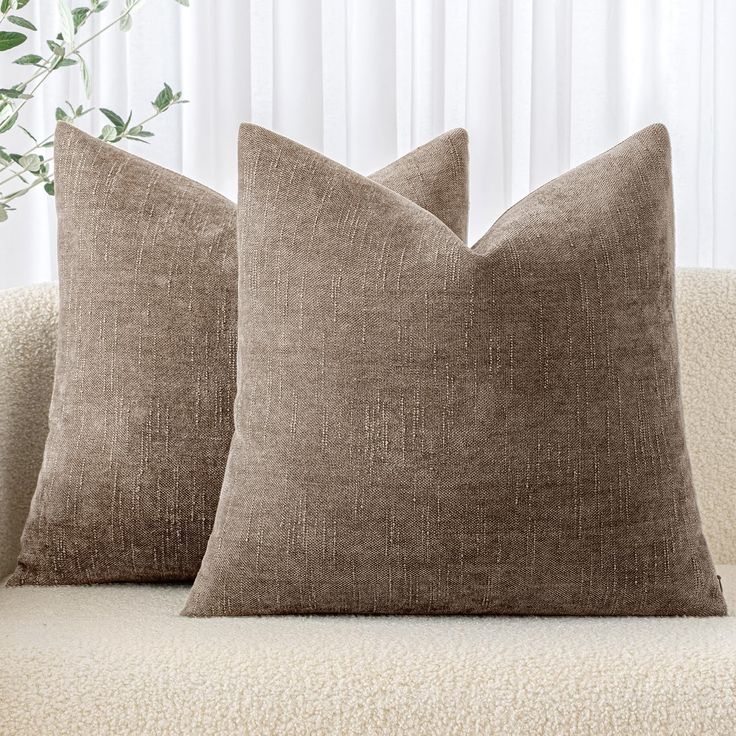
541 85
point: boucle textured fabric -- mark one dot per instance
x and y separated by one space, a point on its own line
706 321
425 428
141 415
117 660
28 320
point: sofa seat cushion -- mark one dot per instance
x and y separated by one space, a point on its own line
119 659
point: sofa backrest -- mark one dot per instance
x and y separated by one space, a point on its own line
706 317
28 319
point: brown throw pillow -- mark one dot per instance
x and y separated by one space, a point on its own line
141 416
425 428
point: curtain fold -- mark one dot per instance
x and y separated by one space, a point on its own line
541 86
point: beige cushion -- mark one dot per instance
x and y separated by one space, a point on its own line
425 428
119 660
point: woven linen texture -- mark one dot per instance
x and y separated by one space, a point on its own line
427 428
141 415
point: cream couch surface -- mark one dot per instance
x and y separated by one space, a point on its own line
118 659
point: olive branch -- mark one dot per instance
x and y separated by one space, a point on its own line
23 170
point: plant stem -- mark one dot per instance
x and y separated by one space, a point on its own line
23 171
21 192
70 52
38 145
49 160
151 117
126 12
46 71
33 91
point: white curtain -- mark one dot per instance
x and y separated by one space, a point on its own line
541 85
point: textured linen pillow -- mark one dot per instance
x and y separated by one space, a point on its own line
141 415
421 427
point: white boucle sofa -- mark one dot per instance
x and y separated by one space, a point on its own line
118 659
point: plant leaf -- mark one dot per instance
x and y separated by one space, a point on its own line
48 187
114 118
7 5
85 77
11 93
164 98
126 22
56 48
3 213
67 23
65 62
8 123
61 114
22 22
185 3
109 133
80 15
28 133
31 162
11 39
29 59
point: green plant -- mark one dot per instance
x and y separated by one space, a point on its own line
24 170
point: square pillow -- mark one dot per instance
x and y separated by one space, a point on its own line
425 428
141 415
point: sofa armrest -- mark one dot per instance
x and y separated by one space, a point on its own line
706 322
28 321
